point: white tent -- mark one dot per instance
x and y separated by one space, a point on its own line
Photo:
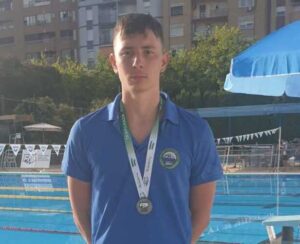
43 127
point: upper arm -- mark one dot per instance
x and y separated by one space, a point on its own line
80 194
201 197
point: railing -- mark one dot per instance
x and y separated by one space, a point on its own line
257 157
212 14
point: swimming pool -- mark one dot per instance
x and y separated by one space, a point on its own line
242 202
34 208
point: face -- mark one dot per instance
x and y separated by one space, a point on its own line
138 60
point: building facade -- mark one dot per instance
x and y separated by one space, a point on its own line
31 28
97 19
81 29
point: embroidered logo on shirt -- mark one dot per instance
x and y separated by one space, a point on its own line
169 158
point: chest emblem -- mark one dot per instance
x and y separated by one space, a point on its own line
169 158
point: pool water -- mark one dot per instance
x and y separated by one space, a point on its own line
34 208
242 202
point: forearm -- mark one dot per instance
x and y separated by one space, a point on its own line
201 200
198 226
80 195
83 222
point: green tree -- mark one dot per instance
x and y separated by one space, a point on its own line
195 77
42 109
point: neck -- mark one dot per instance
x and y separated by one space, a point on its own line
141 112
141 106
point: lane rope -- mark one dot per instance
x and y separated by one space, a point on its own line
14 228
32 188
39 210
34 197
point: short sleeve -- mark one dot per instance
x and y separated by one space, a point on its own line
75 162
206 164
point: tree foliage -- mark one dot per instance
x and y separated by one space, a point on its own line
195 77
61 92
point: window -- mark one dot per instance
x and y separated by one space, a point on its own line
30 20
67 54
35 3
176 10
176 30
6 25
89 25
107 15
43 18
280 17
280 11
246 22
295 2
7 40
37 37
5 5
246 3
89 14
280 3
90 44
201 30
39 19
202 10
105 36
177 47
33 55
66 15
90 35
66 34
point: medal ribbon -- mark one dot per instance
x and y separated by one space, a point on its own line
142 184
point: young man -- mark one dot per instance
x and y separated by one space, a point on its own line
141 170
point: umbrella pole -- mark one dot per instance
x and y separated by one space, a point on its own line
279 145
278 165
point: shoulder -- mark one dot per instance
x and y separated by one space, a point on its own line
191 119
87 125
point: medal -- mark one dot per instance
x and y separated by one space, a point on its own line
142 183
144 206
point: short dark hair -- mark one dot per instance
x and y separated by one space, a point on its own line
138 24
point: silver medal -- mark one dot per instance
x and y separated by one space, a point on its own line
144 206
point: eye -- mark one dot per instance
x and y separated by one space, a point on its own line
148 51
126 53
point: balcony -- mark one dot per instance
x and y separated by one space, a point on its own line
211 14
295 3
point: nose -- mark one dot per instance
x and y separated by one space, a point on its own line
137 62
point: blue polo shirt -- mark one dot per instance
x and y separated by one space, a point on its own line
185 156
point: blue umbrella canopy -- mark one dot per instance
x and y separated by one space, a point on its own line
270 67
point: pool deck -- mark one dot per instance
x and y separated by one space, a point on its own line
237 170
231 170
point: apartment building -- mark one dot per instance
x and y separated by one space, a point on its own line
81 29
29 28
97 19
284 12
185 20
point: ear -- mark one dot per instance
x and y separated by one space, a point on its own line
112 61
165 61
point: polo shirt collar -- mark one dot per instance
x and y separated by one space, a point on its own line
170 109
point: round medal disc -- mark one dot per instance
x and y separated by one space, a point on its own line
144 206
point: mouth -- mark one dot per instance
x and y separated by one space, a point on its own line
138 76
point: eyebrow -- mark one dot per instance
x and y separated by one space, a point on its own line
143 47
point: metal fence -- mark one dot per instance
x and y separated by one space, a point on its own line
251 157
233 157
